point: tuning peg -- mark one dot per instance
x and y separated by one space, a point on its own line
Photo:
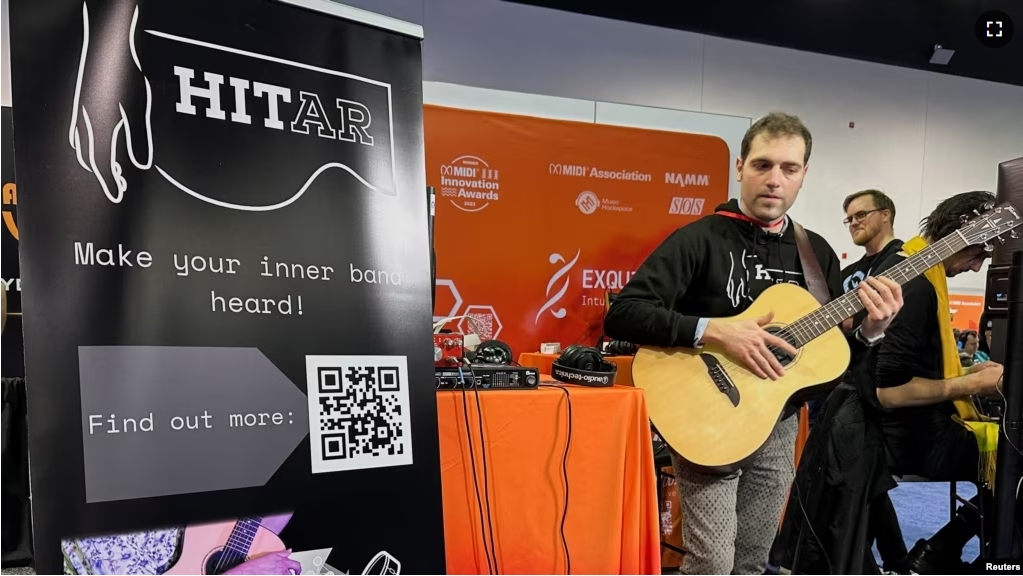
976 212
987 206
1013 234
963 219
988 247
1001 240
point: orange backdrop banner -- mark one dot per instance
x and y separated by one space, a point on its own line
966 310
536 219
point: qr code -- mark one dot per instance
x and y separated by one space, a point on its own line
358 412
484 323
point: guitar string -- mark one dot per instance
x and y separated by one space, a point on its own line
806 330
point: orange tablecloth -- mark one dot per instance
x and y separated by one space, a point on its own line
611 527
542 362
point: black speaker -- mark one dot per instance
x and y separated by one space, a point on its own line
1009 467
1010 189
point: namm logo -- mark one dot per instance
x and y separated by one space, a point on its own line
469 183
177 115
683 180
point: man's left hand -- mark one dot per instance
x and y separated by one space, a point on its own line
882 298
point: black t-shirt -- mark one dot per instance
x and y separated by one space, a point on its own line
854 273
911 348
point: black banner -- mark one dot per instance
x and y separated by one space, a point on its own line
225 257
14 359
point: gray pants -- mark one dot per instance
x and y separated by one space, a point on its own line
729 522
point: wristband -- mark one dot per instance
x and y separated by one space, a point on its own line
869 342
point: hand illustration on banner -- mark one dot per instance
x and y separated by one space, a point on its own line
107 109
85 147
561 273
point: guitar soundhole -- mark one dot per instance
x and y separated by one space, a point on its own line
221 561
783 357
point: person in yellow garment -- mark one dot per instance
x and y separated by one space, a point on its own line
921 395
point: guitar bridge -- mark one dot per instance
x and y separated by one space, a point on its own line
720 377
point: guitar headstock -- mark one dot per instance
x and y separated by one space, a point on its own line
992 224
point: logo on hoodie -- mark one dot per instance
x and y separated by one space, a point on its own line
737 287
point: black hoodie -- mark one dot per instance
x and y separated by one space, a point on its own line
714 267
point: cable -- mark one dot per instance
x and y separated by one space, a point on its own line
806 517
998 388
486 471
564 475
472 461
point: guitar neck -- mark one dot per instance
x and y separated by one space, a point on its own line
242 535
816 323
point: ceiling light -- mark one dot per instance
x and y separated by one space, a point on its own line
941 55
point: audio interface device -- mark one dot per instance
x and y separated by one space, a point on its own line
487 377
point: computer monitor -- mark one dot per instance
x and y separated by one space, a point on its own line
1010 189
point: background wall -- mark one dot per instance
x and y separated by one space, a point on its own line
919 136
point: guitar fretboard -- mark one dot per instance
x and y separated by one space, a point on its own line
816 323
242 535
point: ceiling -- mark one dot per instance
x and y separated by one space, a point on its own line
896 32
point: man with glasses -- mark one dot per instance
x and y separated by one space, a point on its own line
870 216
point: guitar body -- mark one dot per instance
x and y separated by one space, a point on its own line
711 410
203 548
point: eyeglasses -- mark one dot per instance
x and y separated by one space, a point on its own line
859 216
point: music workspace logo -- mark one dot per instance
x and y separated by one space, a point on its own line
182 107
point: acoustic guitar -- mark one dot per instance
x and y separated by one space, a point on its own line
716 415
217 547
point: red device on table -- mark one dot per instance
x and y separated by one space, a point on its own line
448 350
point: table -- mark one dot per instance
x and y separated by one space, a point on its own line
542 362
611 526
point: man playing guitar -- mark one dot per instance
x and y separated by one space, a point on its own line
713 268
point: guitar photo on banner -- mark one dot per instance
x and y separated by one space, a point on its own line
244 546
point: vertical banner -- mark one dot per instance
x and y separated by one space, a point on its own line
227 286
537 219
14 360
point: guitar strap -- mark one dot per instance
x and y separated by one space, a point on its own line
811 266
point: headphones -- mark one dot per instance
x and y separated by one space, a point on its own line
493 352
585 366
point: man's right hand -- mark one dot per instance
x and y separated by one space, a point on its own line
746 340
987 378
